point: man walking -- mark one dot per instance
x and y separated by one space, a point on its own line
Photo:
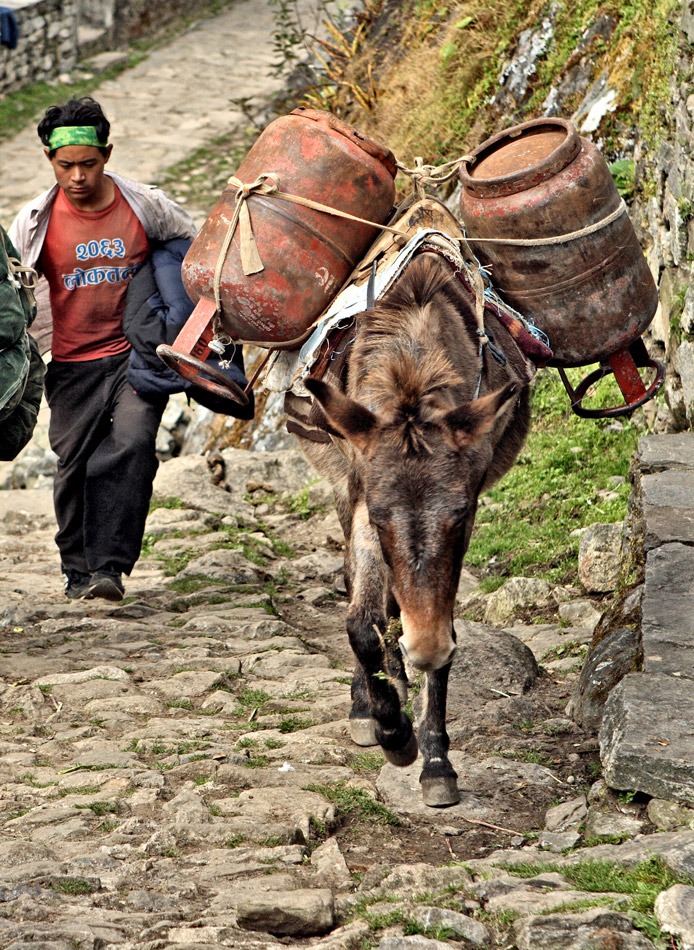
88 235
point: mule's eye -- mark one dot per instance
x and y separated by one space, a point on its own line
378 520
459 517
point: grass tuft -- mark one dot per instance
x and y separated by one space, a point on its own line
355 802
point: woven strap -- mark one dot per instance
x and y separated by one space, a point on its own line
21 277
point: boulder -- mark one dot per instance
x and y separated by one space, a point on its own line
599 557
298 913
567 815
674 909
517 593
605 666
488 661
667 609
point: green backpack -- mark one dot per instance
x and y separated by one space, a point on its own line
21 366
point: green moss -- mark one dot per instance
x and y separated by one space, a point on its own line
294 724
25 106
188 585
362 762
254 698
73 885
676 311
167 501
624 174
641 883
234 841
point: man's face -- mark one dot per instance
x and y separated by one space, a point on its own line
79 170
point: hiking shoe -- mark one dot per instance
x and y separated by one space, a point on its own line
76 583
106 584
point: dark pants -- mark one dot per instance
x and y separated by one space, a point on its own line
104 436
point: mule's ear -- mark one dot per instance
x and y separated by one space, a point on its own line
470 421
352 420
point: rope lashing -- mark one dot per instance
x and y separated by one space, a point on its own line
267 185
19 276
557 238
431 175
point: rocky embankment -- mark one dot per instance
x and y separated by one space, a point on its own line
176 772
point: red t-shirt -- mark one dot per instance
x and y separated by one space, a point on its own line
88 258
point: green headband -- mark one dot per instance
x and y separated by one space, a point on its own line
74 135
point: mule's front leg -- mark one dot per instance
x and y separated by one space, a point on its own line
393 728
438 777
376 692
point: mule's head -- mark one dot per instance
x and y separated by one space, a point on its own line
419 473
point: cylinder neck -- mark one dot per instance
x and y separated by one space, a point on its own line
520 158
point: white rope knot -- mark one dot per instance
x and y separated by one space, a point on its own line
251 261
264 184
431 175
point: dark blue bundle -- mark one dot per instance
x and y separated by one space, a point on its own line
157 306
9 28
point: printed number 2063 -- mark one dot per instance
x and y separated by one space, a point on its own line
108 247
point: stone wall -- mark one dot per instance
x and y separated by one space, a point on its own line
666 174
47 44
55 34
125 20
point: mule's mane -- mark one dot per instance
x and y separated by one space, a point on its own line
403 357
427 280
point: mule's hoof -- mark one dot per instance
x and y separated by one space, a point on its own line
404 756
440 792
363 731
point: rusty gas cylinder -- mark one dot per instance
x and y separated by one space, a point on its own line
306 254
593 293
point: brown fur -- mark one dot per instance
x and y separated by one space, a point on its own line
421 443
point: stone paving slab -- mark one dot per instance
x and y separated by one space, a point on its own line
667 607
647 731
33 501
647 736
658 453
668 514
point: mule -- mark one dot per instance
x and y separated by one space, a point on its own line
421 418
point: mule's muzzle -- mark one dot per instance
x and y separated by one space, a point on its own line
428 661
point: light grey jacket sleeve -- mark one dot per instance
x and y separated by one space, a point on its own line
28 230
162 218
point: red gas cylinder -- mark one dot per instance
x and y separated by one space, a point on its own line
591 292
306 254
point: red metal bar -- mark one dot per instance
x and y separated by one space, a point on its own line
197 331
627 376
190 350
624 367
